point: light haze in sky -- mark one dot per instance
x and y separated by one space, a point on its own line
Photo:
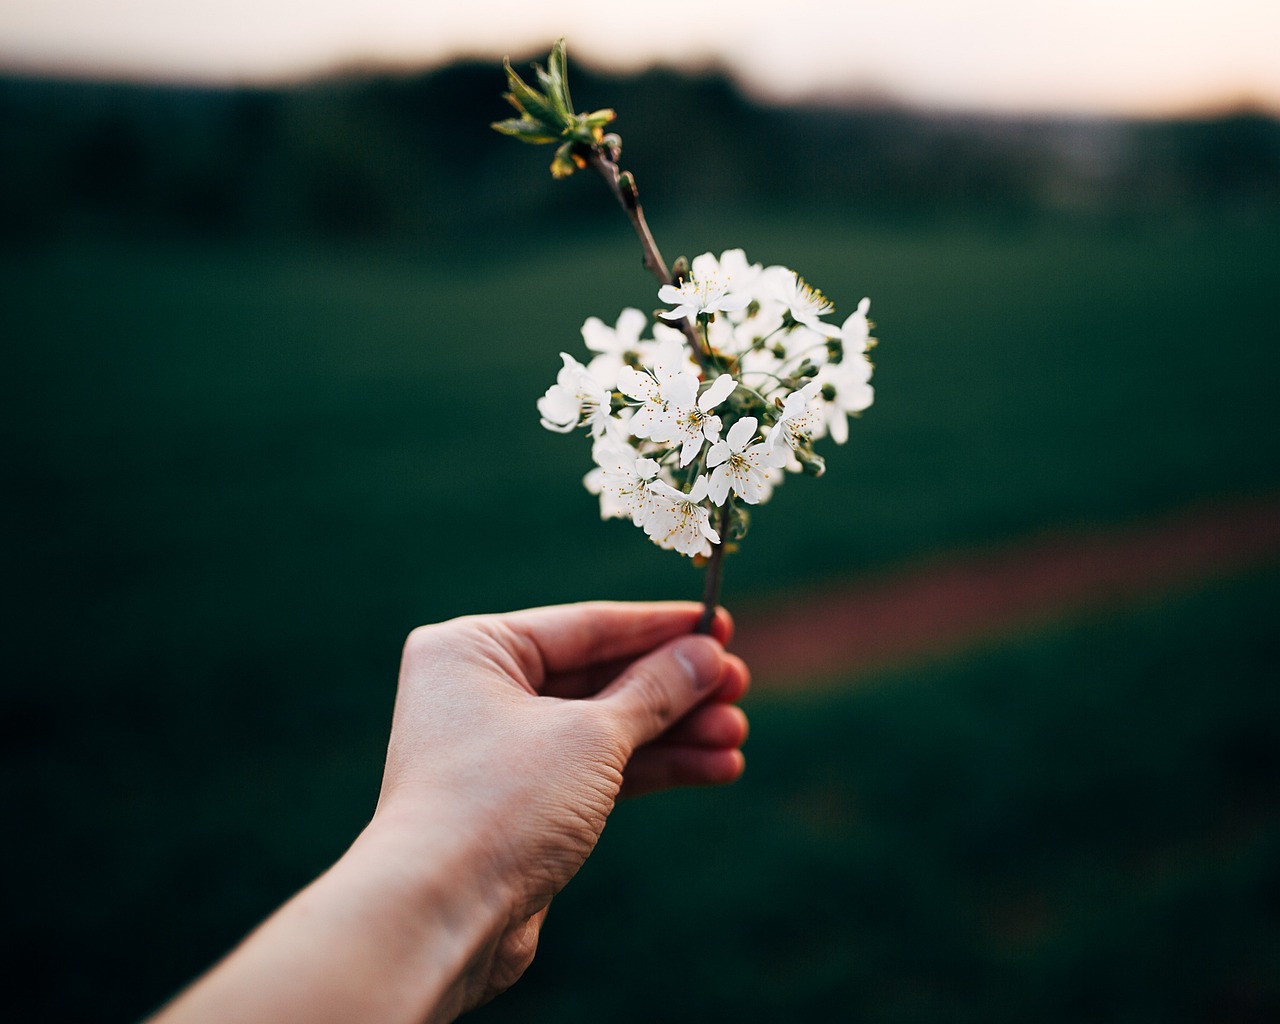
1063 56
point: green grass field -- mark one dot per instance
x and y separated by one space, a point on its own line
238 477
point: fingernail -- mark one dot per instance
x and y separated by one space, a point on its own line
700 656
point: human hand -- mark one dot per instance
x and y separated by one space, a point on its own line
514 734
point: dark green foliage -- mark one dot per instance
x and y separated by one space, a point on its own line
413 158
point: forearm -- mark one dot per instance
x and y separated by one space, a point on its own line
388 934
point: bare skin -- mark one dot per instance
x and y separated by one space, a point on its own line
513 737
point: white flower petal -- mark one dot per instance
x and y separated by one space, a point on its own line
558 410
666 336
741 433
637 385
597 335
682 391
718 488
631 324
838 424
720 389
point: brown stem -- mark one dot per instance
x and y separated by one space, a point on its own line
630 203
711 588
628 199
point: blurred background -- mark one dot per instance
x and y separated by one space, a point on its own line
277 305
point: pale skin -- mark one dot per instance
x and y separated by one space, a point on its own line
513 737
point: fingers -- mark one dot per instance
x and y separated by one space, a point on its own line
662 767
735 680
570 638
699 750
586 682
656 691
713 725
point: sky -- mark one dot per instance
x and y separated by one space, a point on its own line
1145 57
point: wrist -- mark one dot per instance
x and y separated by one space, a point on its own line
440 912
395 931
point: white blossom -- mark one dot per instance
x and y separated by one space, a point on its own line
694 296
681 521
687 419
622 478
652 388
739 276
849 389
616 346
771 340
575 399
742 464
805 304
800 418
856 330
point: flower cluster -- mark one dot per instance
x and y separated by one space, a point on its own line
705 413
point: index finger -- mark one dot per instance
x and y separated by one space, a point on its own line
575 636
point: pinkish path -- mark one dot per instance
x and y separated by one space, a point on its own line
941 605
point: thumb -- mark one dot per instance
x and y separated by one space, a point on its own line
659 689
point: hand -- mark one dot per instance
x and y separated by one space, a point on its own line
512 738
516 733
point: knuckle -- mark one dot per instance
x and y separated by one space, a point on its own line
418 642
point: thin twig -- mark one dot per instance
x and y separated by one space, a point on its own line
629 200
711 587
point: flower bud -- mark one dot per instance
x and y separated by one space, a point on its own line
563 163
829 392
680 270
630 194
814 465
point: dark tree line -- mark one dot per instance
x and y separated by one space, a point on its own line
413 158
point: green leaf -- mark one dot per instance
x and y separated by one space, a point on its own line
525 129
558 68
600 118
531 101
553 93
548 115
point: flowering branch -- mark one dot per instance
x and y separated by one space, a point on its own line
548 117
745 349
623 186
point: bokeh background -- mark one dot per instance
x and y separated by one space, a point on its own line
272 343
